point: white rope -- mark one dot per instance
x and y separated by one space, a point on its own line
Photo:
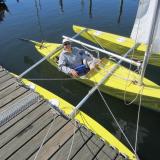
127 79
71 147
44 139
114 117
138 119
115 120
97 41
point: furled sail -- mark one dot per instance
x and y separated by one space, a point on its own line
144 24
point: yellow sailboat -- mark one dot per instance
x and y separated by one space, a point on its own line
116 43
121 83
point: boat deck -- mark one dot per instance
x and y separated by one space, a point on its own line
27 120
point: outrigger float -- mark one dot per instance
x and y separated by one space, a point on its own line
116 43
21 112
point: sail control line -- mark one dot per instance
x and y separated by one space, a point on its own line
74 112
49 55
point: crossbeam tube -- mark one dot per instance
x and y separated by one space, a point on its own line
107 52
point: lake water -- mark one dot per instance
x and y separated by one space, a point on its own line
49 20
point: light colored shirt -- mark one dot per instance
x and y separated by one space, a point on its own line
68 61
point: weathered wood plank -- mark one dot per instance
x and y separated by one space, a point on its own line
56 142
33 145
27 134
5 78
90 149
107 153
120 157
8 90
1 69
3 72
7 83
81 137
24 123
20 117
14 96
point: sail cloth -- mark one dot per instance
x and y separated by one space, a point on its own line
142 29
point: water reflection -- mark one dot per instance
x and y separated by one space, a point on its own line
38 8
61 5
28 60
90 9
120 12
3 9
82 5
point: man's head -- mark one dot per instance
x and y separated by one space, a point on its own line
66 42
67 45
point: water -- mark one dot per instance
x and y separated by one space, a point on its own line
49 20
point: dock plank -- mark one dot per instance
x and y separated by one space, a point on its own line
5 78
81 137
14 96
23 137
120 157
107 153
56 142
89 150
8 90
20 117
1 69
30 149
24 123
7 83
3 72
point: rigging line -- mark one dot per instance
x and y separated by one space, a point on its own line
91 50
44 139
97 41
71 147
116 120
138 119
138 93
129 65
132 56
52 79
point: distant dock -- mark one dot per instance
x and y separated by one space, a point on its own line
27 121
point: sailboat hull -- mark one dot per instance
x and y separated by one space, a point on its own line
122 83
117 44
81 117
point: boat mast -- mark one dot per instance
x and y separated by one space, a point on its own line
148 51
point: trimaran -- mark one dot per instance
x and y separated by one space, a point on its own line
112 78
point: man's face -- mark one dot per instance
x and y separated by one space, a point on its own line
67 46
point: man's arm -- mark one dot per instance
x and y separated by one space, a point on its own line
62 67
62 64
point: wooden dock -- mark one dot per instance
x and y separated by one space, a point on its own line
27 121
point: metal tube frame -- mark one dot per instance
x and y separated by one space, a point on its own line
107 52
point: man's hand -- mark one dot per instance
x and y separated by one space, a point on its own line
73 73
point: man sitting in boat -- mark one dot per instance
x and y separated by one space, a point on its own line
75 61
